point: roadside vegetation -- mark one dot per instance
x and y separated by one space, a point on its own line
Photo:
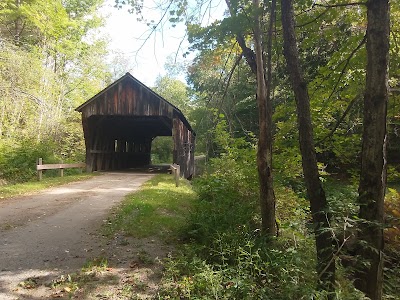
212 225
159 210
19 189
225 256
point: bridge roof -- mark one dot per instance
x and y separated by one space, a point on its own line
126 97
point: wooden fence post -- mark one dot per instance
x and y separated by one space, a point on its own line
176 171
177 174
40 172
62 170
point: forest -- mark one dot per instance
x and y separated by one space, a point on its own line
296 106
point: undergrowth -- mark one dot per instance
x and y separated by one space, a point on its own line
157 209
224 256
18 160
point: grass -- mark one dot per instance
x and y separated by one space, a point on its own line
158 209
12 190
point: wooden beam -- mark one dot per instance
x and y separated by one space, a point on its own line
40 167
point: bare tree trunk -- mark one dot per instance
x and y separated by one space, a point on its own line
315 191
369 277
264 153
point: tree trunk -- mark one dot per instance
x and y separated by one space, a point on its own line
369 277
315 191
264 150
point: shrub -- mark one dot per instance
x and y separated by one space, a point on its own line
18 164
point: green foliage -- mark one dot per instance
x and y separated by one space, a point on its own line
174 91
66 67
393 174
226 258
247 271
161 150
156 210
392 243
19 164
392 232
332 49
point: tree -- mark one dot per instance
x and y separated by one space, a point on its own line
265 139
369 278
66 66
316 194
174 91
255 60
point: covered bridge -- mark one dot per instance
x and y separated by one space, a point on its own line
121 121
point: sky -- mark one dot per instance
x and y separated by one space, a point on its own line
147 58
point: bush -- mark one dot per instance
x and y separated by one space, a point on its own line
392 243
250 270
226 257
18 164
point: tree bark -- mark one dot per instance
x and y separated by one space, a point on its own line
315 191
369 277
264 150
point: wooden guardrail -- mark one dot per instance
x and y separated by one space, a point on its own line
176 171
40 167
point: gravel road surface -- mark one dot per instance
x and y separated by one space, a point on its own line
56 231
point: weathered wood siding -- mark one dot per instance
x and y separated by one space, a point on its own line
184 146
127 98
121 122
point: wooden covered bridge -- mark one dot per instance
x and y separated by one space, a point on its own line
120 123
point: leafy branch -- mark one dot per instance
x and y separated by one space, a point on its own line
347 62
338 122
340 4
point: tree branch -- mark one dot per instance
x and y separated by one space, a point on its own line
346 64
247 52
338 122
154 27
237 61
340 4
313 20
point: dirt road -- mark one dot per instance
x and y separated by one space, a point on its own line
56 231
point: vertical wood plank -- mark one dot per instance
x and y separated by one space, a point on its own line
40 172
177 175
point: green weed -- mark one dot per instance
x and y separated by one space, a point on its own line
158 209
92 274
95 265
